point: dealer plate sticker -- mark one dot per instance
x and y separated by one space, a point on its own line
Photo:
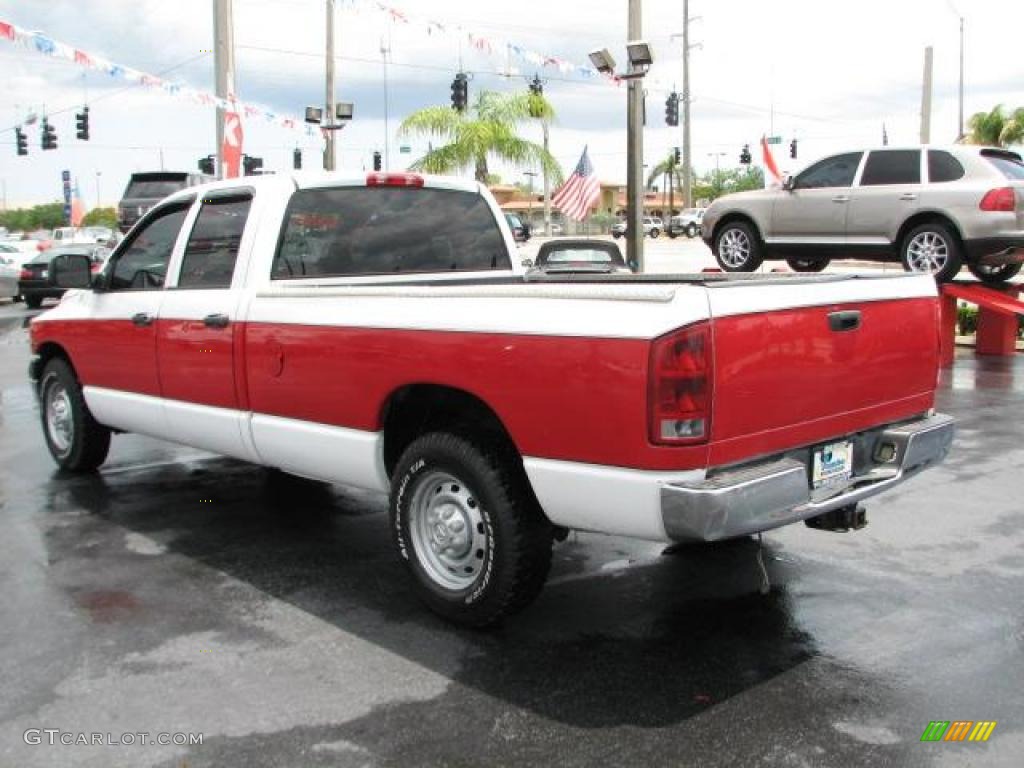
833 464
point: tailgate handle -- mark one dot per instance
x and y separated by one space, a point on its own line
142 319
847 320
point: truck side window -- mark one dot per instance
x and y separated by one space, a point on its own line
142 264
212 246
387 231
835 171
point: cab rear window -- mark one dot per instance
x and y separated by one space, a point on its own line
386 231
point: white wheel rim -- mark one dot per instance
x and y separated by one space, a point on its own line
927 252
734 247
448 532
60 425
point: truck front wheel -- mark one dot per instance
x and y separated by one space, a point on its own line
469 528
76 440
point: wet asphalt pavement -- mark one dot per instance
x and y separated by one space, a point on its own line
179 592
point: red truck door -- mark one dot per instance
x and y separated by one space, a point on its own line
196 332
115 353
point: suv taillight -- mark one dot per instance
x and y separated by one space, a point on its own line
679 394
1002 199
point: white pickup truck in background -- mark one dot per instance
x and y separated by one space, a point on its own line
378 331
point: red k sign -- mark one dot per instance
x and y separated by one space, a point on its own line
232 149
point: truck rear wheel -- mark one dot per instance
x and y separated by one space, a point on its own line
469 529
76 440
802 264
996 274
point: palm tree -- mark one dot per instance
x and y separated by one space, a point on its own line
996 128
489 132
673 175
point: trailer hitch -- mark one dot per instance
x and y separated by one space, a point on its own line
849 518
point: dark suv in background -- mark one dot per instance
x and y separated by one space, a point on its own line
145 190
934 209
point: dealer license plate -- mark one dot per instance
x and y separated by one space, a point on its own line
833 464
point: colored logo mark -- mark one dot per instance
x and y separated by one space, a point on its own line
958 730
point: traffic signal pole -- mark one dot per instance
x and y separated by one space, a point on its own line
635 153
687 160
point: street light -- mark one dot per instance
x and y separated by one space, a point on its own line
640 57
343 112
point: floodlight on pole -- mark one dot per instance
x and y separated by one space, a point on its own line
639 54
344 110
602 61
314 114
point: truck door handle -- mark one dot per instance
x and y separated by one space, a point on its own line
841 199
216 321
848 320
908 196
142 319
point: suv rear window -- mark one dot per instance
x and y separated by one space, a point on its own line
153 189
892 166
387 230
942 166
1008 163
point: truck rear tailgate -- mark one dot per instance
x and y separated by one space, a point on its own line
799 363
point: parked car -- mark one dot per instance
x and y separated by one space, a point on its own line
145 190
652 227
312 324
34 283
686 223
558 257
520 232
9 271
934 209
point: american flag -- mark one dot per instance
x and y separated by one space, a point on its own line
580 191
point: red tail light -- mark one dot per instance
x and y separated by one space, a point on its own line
25 275
1002 199
393 180
679 395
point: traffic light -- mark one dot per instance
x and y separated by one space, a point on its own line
672 109
82 124
206 165
251 164
792 148
21 140
48 135
297 159
675 155
460 92
376 161
745 155
536 86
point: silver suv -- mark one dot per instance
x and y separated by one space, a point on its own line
932 208
652 227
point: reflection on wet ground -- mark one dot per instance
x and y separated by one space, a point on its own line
176 591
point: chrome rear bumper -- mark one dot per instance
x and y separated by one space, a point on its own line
764 496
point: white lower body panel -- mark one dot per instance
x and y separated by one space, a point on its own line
613 500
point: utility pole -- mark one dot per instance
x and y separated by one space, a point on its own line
224 67
547 184
330 100
635 153
960 122
926 98
687 160
385 49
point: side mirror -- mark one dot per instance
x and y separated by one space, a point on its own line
71 270
788 183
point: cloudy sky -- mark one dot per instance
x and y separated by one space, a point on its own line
825 72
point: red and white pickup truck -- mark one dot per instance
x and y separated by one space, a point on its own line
379 332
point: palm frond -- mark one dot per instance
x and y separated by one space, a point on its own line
432 121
